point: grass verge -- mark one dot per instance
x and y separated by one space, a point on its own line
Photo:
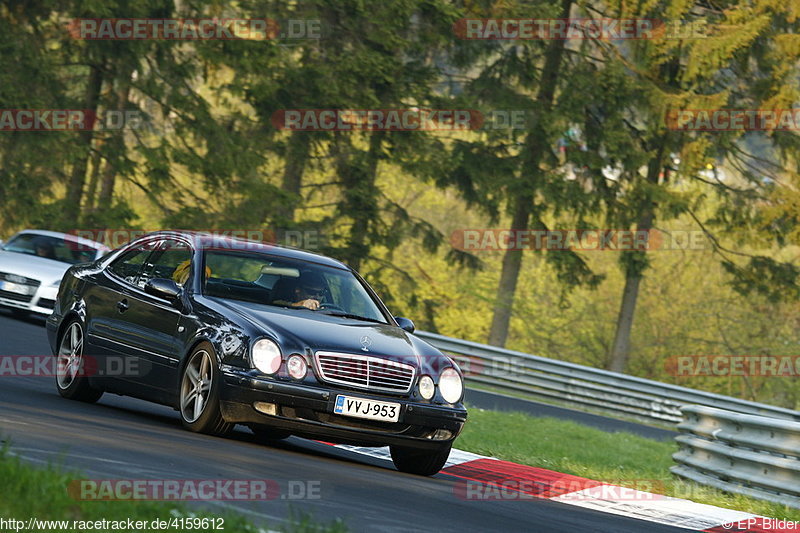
618 458
30 493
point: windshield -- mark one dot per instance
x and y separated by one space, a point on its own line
288 283
55 248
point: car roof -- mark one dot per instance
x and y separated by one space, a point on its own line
204 240
59 235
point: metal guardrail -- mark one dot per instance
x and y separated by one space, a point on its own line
752 455
731 444
585 387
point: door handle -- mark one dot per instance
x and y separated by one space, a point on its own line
122 305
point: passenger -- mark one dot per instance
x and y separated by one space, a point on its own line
181 274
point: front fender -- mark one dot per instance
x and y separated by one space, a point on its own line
230 343
69 305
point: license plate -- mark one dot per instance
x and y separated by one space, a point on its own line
372 409
15 288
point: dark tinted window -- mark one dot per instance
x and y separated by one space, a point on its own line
172 260
284 282
129 265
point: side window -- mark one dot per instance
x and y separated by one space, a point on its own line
172 260
129 265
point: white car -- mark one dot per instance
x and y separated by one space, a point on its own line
32 263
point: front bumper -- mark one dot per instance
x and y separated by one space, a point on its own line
42 302
307 411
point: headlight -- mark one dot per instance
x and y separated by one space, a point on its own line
450 385
426 387
266 356
297 367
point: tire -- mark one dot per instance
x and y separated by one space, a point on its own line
70 363
420 462
267 434
198 398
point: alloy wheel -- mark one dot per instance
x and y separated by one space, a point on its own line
196 386
70 356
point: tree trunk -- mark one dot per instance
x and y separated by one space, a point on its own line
620 350
512 262
94 178
6 151
297 152
524 203
116 145
360 198
72 209
635 266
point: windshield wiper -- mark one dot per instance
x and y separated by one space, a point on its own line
354 317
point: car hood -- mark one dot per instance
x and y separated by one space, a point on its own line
300 330
45 270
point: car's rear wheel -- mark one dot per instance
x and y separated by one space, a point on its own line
199 394
420 462
266 433
70 365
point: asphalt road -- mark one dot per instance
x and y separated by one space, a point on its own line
124 438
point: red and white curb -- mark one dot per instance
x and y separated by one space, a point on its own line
485 478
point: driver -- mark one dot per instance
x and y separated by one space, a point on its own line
45 249
309 291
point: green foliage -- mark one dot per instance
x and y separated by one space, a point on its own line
209 157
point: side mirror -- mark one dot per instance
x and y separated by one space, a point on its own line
405 323
164 288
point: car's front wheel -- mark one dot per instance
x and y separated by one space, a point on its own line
199 394
420 462
70 379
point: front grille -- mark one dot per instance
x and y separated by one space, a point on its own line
21 280
365 372
24 298
32 285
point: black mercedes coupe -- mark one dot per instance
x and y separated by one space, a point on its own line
281 340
